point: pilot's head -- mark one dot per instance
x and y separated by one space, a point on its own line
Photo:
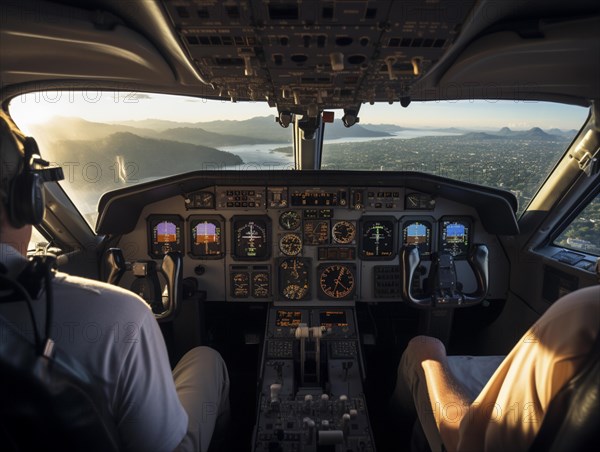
15 227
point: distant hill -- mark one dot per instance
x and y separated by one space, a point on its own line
389 128
534 134
69 128
124 158
260 129
337 130
197 135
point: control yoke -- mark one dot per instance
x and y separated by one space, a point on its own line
146 283
444 290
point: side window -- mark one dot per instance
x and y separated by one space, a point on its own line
36 237
583 234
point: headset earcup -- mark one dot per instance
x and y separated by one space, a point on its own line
26 203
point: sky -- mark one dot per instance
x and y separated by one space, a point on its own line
101 106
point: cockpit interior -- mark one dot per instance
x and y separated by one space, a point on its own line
310 275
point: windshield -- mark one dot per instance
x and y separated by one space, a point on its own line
109 140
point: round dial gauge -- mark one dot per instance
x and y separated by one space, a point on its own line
293 278
260 285
240 284
418 233
206 238
337 281
290 220
343 232
290 244
251 239
377 239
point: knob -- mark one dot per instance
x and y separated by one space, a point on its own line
343 403
324 402
308 398
346 423
199 270
275 389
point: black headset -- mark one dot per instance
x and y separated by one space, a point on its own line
26 196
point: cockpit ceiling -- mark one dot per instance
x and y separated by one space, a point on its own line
316 52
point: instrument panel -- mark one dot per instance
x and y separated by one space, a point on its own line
312 246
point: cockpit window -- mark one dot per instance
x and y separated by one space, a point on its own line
110 140
504 144
583 234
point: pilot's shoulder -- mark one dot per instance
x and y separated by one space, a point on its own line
75 287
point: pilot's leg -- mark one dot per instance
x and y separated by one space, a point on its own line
411 387
202 384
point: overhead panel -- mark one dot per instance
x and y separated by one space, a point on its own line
326 54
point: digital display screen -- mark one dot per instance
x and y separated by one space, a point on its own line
251 238
455 236
418 233
288 319
206 237
330 319
164 235
377 238
165 232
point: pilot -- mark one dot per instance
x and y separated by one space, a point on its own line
492 402
114 334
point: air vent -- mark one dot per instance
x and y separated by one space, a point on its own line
321 41
227 40
192 40
283 12
428 43
278 59
203 13
439 43
371 13
239 40
394 42
418 42
405 42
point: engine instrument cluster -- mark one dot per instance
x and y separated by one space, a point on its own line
306 244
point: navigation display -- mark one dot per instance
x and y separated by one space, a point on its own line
455 237
206 237
418 233
377 238
164 235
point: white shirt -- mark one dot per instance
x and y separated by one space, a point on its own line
114 335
